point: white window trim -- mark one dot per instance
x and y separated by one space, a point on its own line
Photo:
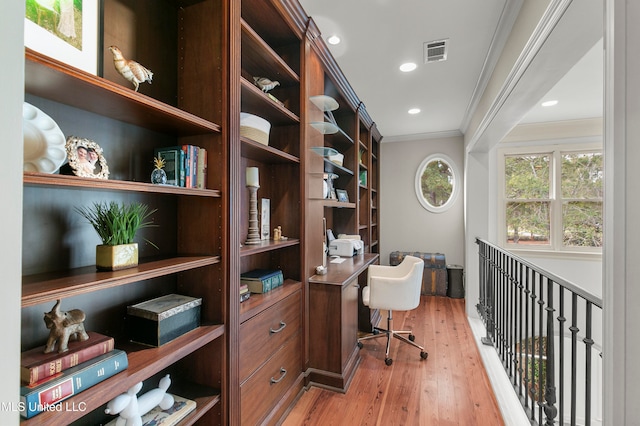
455 184
555 248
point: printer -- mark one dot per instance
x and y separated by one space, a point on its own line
346 246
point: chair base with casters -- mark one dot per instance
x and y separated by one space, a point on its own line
379 332
394 288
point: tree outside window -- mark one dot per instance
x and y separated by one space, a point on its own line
554 199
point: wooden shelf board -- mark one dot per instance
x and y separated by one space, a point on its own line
259 302
339 204
51 79
260 152
264 246
255 49
143 363
331 167
43 179
255 101
47 287
205 397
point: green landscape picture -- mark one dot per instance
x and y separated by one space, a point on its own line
62 18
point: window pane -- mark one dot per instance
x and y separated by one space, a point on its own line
582 224
527 176
528 223
437 182
582 175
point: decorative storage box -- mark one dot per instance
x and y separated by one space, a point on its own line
158 321
255 128
434 278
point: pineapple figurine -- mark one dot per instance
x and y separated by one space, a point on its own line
158 175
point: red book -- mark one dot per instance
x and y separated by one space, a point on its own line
36 366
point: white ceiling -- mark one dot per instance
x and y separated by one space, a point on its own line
379 35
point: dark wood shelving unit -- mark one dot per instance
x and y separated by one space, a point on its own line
203 81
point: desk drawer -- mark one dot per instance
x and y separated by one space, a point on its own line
263 334
260 393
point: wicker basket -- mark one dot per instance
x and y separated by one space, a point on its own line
255 128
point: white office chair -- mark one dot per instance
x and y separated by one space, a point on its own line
394 288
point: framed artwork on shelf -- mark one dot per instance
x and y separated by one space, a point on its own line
85 159
342 195
66 30
265 219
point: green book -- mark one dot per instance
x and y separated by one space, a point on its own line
262 280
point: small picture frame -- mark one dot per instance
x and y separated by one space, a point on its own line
265 219
85 159
342 195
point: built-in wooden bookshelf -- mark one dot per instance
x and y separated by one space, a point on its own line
204 55
191 229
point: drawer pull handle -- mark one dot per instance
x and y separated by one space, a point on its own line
282 326
283 373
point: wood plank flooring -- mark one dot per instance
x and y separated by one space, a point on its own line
449 388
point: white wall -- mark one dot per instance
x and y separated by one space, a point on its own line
622 203
12 94
406 225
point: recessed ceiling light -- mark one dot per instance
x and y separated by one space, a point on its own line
549 103
414 111
334 39
408 66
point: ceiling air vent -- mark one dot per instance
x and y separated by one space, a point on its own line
435 51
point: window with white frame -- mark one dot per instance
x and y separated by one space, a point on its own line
551 198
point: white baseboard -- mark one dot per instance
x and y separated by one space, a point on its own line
512 412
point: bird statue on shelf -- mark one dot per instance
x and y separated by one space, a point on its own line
131 70
265 84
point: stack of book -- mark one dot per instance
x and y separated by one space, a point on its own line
244 292
262 280
185 165
48 379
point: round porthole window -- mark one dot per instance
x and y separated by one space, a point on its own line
437 183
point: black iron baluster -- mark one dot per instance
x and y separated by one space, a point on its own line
550 409
502 309
541 341
520 325
588 341
561 321
527 292
574 354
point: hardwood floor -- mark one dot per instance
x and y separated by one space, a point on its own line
449 388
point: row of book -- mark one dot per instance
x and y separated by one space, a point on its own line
48 379
185 165
262 280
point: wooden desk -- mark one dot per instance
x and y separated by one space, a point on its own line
333 322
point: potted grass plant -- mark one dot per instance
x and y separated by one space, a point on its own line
117 225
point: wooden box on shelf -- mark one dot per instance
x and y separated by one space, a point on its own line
160 320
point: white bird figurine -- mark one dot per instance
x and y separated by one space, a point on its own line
131 70
265 84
